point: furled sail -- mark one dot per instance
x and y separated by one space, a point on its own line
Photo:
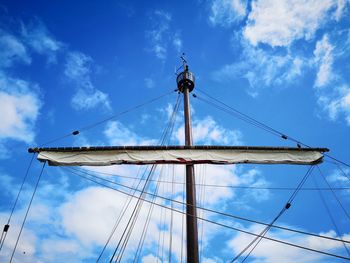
103 156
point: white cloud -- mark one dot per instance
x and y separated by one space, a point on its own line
26 247
149 83
150 259
119 134
101 206
324 61
227 12
85 99
177 42
40 40
78 69
207 131
280 22
19 109
12 50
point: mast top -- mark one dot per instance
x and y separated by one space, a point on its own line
186 78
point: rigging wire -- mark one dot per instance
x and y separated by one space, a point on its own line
183 217
122 213
201 202
148 219
160 226
90 126
138 206
343 172
231 227
335 196
167 133
132 215
26 214
171 217
7 225
330 216
288 204
205 209
248 119
243 187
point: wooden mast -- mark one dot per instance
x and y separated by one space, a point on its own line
185 83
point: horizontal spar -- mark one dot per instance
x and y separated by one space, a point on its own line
142 155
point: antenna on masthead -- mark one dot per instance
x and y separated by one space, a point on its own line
185 79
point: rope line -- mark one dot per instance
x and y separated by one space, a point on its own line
7 225
335 196
209 210
244 187
330 216
257 123
257 239
230 227
90 126
27 212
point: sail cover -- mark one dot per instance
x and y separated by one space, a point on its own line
104 156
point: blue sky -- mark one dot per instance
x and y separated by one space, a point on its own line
65 65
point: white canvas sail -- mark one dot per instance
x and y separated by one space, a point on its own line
103 156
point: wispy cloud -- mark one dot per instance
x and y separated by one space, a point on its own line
12 50
262 68
40 40
78 69
227 12
324 60
337 103
162 35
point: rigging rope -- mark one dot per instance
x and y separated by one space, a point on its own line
288 204
7 225
138 206
234 228
335 196
330 216
133 213
122 213
26 215
90 126
183 216
243 187
202 208
171 217
201 203
148 219
232 111
219 186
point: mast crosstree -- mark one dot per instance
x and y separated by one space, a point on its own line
188 155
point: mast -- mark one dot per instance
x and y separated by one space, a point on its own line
185 83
